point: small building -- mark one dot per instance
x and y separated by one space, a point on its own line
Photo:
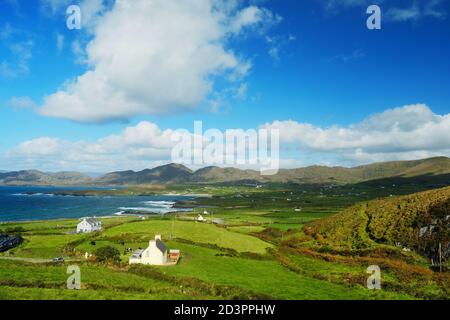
89 225
174 255
200 218
155 254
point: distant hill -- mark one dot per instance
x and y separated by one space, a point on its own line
321 174
217 174
171 173
35 177
417 221
429 170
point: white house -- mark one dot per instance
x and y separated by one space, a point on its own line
89 225
155 254
200 218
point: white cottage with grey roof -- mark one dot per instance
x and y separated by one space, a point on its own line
155 254
89 225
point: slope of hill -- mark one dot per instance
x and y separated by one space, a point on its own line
35 177
429 170
418 222
405 169
216 174
171 173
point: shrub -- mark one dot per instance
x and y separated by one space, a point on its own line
107 253
14 230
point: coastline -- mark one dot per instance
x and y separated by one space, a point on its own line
61 207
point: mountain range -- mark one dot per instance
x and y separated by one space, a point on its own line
438 167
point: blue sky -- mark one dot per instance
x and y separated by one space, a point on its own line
311 68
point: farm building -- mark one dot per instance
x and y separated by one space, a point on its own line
155 254
200 218
89 225
174 255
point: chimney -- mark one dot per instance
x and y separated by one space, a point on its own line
158 237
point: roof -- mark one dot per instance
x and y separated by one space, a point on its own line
161 246
92 221
137 254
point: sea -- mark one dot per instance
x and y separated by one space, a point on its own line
41 203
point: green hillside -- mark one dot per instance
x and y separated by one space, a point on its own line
416 222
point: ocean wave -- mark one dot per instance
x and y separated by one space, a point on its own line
157 203
138 209
154 210
33 194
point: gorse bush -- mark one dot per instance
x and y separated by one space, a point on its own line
395 221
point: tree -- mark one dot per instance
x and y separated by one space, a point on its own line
107 253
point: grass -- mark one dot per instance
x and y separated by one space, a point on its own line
264 276
98 282
267 250
45 246
193 231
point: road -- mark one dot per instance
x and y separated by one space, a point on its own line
36 260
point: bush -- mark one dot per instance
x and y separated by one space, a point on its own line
107 253
14 230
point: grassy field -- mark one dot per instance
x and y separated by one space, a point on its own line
261 252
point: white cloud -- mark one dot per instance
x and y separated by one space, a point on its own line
20 103
412 11
135 147
44 146
416 11
91 11
55 6
156 57
241 92
276 45
253 17
405 133
17 65
335 4
404 14
59 42
356 54
409 131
